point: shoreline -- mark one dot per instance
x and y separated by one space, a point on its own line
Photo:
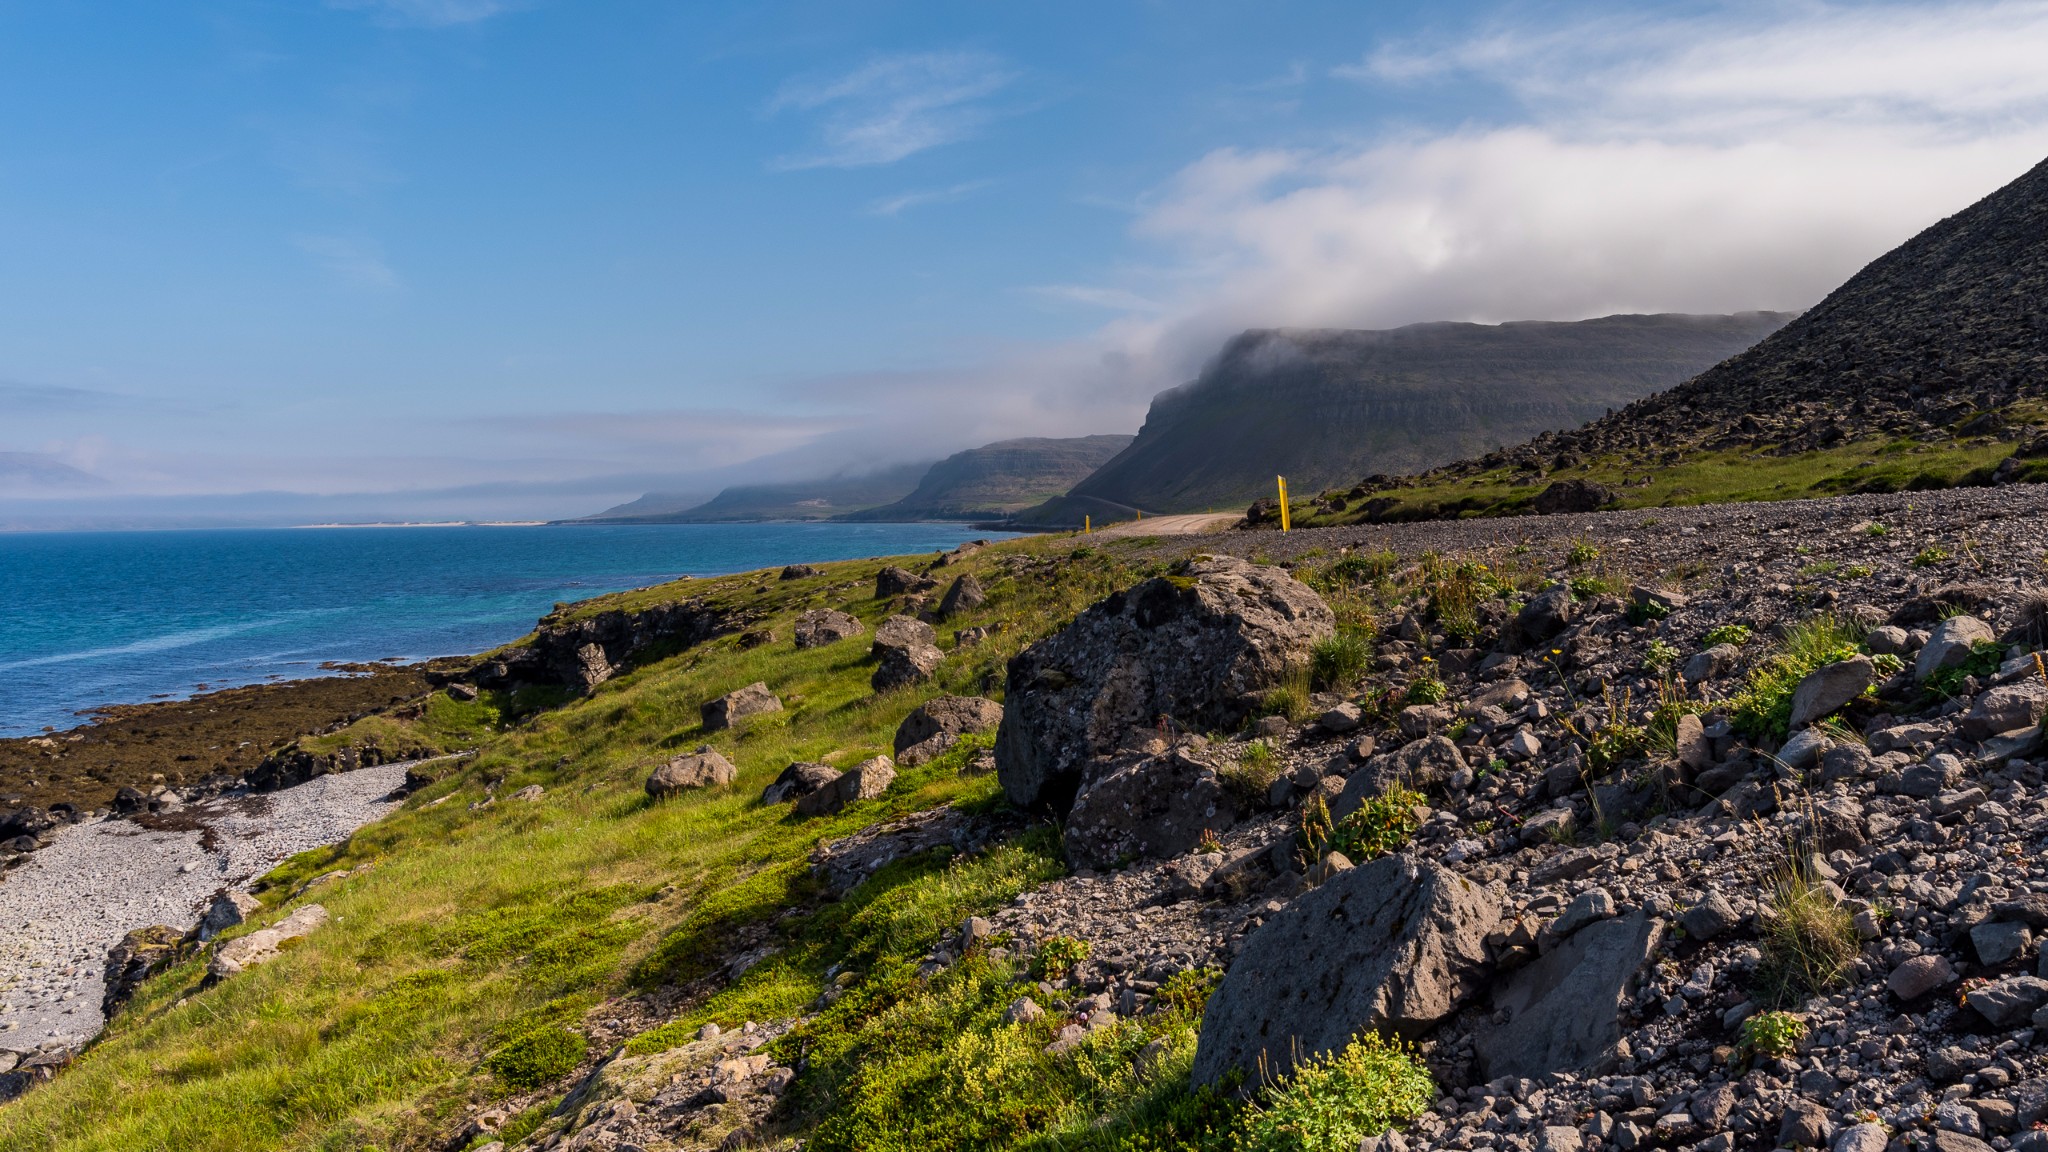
105 877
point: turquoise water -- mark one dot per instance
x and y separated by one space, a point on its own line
97 618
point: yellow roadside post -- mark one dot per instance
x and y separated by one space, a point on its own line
1286 522
1087 524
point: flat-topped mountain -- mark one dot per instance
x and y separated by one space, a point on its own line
1921 371
1326 406
998 479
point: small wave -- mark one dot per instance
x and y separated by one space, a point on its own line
146 645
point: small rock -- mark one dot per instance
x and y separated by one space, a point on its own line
1998 942
822 626
1343 718
1950 644
1589 906
1805 1125
1862 1137
1919 976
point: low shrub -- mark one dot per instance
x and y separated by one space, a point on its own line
1983 660
1289 698
1772 1034
1381 825
1736 634
1427 688
1332 1102
1057 955
1660 656
536 1057
1929 556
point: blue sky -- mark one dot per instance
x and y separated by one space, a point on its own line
493 258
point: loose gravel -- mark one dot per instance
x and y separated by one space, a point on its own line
103 878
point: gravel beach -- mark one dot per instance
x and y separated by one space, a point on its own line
101 879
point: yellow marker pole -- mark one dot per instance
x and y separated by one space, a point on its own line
1086 522
1286 522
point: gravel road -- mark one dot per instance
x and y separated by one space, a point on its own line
101 879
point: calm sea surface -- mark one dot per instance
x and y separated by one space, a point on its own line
94 618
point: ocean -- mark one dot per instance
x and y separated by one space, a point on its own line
98 618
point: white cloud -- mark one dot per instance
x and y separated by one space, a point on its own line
898 204
427 13
1752 160
1749 158
354 262
896 106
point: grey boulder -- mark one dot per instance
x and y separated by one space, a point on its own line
905 666
1563 1012
753 700
1950 644
799 780
1147 806
937 724
1394 945
1826 689
965 595
2004 709
822 626
1546 614
864 781
1419 765
1200 646
704 768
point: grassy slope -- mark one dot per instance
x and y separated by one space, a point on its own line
467 927
1702 478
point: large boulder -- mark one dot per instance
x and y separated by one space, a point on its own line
2005 709
965 595
864 781
1571 496
935 725
1826 689
903 632
894 581
1950 645
905 666
1419 764
1547 613
1138 806
822 626
1199 646
735 706
799 780
1563 1012
704 768
1395 945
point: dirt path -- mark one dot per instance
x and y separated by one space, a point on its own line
1193 524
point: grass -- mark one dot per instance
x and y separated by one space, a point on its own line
1809 938
471 942
1703 477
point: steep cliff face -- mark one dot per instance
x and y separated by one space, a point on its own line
1000 478
1941 330
1324 407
